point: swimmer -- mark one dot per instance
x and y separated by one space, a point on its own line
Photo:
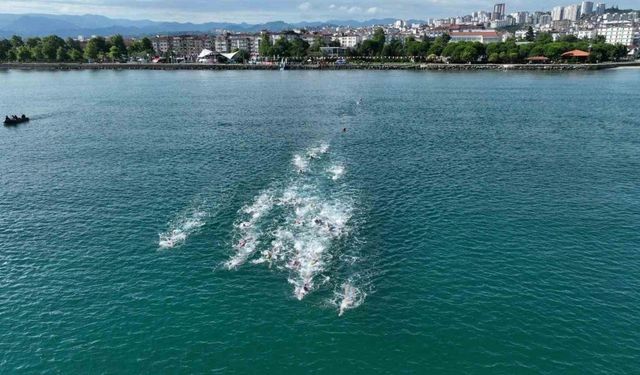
348 299
243 242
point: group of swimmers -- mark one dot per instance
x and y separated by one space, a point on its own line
15 118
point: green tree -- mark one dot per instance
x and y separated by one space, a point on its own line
118 42
555 50
439 45
265 45
5 47
72 44
393 49
530 36
50 46
544 38
32 42
317 44
375 45
415 47
16 41
75 55
569 39
147 46
36 53
92 49
114 53
298 48
379 38
23 53
61 55
281 47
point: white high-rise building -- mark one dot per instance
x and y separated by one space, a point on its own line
586 9
499 11
617 33
544 19
519 17
557 13
571 12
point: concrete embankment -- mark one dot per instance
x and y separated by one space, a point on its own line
351 66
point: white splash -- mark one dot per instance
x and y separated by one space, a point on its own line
336 172
350 297
295 228
300 163
317 152
181 228
311 229
248 229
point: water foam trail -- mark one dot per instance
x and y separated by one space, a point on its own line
317 152
313 226
336 172
300 163
249 229
349 297
181 228
301 237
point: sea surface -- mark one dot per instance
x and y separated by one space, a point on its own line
320 222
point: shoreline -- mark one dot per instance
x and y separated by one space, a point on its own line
352 66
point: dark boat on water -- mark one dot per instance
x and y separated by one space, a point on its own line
15 120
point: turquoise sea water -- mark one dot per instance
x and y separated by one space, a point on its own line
484 223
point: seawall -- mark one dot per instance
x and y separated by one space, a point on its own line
351 66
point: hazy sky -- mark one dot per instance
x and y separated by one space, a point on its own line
271 10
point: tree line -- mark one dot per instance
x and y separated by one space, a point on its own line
436 49
55 49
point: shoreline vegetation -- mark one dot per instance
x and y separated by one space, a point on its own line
314 66
378 51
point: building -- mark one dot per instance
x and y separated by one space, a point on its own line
290 36
519 18
227 43
400 24
617 33
187 46
587 34
333 51
601 8
349 41
501 23
482 36
221 44
499 10
586 9
161 44
240 42
571 12
557 13
544 19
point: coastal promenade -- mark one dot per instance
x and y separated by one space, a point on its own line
326 66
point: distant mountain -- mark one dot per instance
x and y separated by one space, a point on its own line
28 25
